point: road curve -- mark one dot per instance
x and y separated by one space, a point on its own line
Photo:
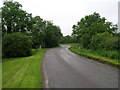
64 69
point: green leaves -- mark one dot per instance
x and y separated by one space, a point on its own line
42 33
14 18
16 45
91 25
52 35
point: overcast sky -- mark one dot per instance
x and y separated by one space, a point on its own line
65 13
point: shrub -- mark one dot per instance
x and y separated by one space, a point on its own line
110 54
16 45
85 41
105 41
111 43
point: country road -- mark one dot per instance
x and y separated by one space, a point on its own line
64 69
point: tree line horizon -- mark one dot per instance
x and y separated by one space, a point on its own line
21 30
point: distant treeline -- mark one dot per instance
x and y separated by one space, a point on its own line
68 39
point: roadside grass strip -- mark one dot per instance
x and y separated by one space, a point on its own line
23 72
112 62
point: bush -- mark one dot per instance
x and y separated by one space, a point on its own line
85 41
105 41
112 43
16 45
98 41
110 54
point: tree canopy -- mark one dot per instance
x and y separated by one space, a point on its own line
91 25
41 32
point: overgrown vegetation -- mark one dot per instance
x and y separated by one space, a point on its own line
110 57
24 72
16 45
42 33
106 41
68 39
21 33
94 29
97 39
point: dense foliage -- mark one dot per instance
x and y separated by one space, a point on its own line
105 41
97 36
94 32
14 19
42 33
68 39
52 35
16 45
106 56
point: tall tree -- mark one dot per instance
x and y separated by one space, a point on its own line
52 35
89 26
14 19
37 32
41 32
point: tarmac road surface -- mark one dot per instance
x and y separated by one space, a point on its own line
65 69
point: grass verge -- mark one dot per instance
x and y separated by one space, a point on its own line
93 55
23 72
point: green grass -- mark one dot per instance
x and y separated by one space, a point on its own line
23 72
101 56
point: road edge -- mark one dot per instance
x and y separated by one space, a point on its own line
44 74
